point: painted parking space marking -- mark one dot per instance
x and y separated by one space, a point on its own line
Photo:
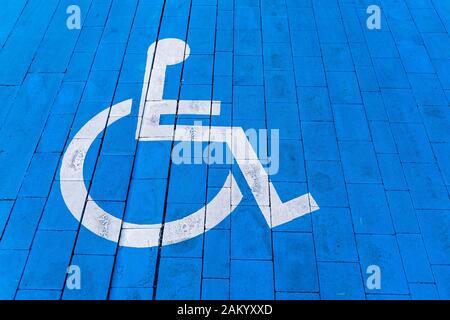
105 225
187 169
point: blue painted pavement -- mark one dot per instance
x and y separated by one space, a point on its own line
364 126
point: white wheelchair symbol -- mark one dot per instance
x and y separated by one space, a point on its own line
161 54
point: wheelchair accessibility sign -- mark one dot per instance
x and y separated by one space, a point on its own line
160 55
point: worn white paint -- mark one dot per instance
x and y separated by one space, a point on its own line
107 226
152 106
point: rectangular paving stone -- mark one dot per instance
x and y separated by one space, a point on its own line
343 87
392 297
20 133
216 259
224 40
434 226
96 273
199 70
56 216
442 275
277 56
381 45
145 201
423 291
383 140
427 20
340 281
38 295
248 70
201 40
134 268
89 37
223 63
427 89
291 162
391 171
79 67
215 289
441 65
285 119
369 208
374 106
48 261
119 140
382 251
203 16
314 104
351 123
247 18
305 44
319 141
68 98
12 263
289 265
31 25
55 134
248 102
280 86
427 187
182 190
337 57
131 294
334 238
415 57
10 13
224 19
179 278
91 243
112 185
300 16
362 169
367 78
109 56
140 39
251 279
309 71
98 13
360 54
250 234
22 224
159 154
190 248
308 68
100 87
7 96
223 89
247 42
442 153
326 183
40 174
402 212
390 73
296 296
118 26
400 105
437 45
436 120
275 28
331 30
5 211
414 257
49 60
